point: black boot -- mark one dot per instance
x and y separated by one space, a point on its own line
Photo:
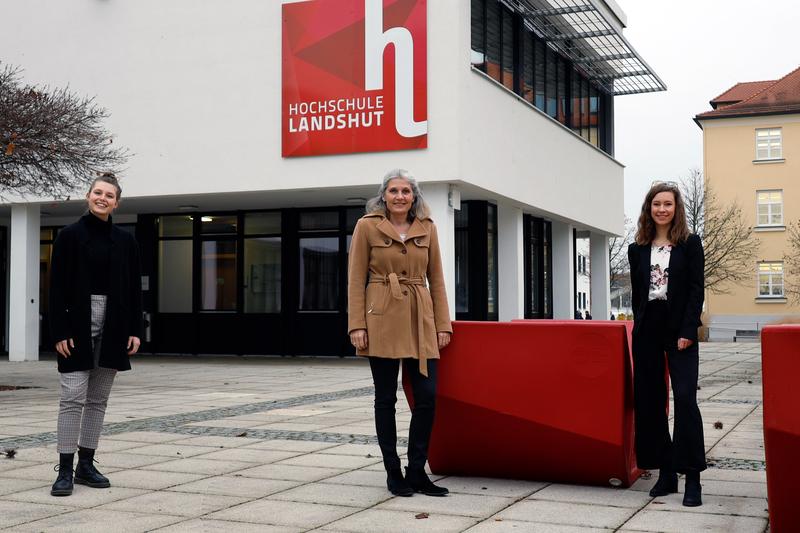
692 492
419 481
397 484
86 473
63 485
667 483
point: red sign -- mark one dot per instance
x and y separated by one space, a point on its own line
354 76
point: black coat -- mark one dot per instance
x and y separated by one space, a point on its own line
684 289
70 298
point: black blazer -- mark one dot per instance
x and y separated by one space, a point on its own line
684 290
70 298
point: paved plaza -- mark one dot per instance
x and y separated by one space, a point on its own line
288 444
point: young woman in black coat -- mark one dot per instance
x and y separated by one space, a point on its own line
667 265
96 320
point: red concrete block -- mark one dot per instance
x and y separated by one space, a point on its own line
780 364
539 399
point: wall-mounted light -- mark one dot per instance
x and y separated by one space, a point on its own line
206 219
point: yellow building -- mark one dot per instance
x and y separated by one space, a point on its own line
751 154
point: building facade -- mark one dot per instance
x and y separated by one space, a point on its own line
243 200
751 144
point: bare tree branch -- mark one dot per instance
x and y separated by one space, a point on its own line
730 247
618 254
52 141
791 262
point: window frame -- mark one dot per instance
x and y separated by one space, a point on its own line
770 136
771 283
769 223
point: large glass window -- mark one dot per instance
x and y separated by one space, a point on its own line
770 208
319 273
551 83
526 81
770 280
462 258
491 256
508 49
262 275
562 76
769 144
594 106
175 226
538 72
538 266
175 276
493 40
478 56
218 275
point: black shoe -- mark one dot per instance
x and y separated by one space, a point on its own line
667 484
87 474
692 493
420 482
63 485
397 484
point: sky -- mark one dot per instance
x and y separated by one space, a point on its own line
699 49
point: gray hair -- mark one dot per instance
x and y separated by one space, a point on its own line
419 208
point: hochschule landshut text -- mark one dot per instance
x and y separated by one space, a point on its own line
336 114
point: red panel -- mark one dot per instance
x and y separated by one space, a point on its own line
780 362
546 400
326 106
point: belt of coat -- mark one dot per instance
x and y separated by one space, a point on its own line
394 281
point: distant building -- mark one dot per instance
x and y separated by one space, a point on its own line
751 153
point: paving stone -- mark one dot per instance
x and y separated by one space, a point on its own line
292 445
331 461
386 521
741 476
290 472
672 522
359 450
193 465
218 442
13 513
82 496
250 455
509 488
349 495
143 436
573 514
221 526
175 503
593 495
100 521
243 487
457 504
281 513
125 460
11 485
151 479
712 504
6 465
41 471
172 450
366 478
493 525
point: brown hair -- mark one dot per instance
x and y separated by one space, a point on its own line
646 230
110 178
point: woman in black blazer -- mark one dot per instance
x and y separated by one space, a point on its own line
667 265
96 321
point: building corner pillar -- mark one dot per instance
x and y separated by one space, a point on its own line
23 322
439 198
599 269
510 263
563 271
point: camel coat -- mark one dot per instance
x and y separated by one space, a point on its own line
396 289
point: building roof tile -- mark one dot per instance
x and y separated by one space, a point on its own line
779 96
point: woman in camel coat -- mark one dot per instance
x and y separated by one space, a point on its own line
397 310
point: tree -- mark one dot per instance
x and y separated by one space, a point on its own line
52 141
791 260
730 246
618 255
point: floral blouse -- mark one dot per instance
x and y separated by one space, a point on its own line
659 272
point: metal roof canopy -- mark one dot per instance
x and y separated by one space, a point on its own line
579 30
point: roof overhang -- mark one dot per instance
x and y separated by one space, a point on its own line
584 32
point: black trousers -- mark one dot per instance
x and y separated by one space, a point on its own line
685 452
384 376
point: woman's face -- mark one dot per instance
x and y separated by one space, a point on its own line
662 208
398 196
102 199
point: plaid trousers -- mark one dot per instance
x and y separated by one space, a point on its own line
84 394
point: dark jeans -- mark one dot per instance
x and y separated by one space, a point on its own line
384 376
654 448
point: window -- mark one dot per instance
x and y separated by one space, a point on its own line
770 280
769 144
478 30
175 263
262 262
770 208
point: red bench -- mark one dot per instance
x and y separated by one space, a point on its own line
537 399
780 364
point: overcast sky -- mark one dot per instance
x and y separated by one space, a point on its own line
699 48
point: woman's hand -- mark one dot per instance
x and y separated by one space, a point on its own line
62 347
683 343
443 338
133 345
358 338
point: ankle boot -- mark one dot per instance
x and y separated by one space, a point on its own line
692 492
86 473
667 483
63 485
419 481
397 484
